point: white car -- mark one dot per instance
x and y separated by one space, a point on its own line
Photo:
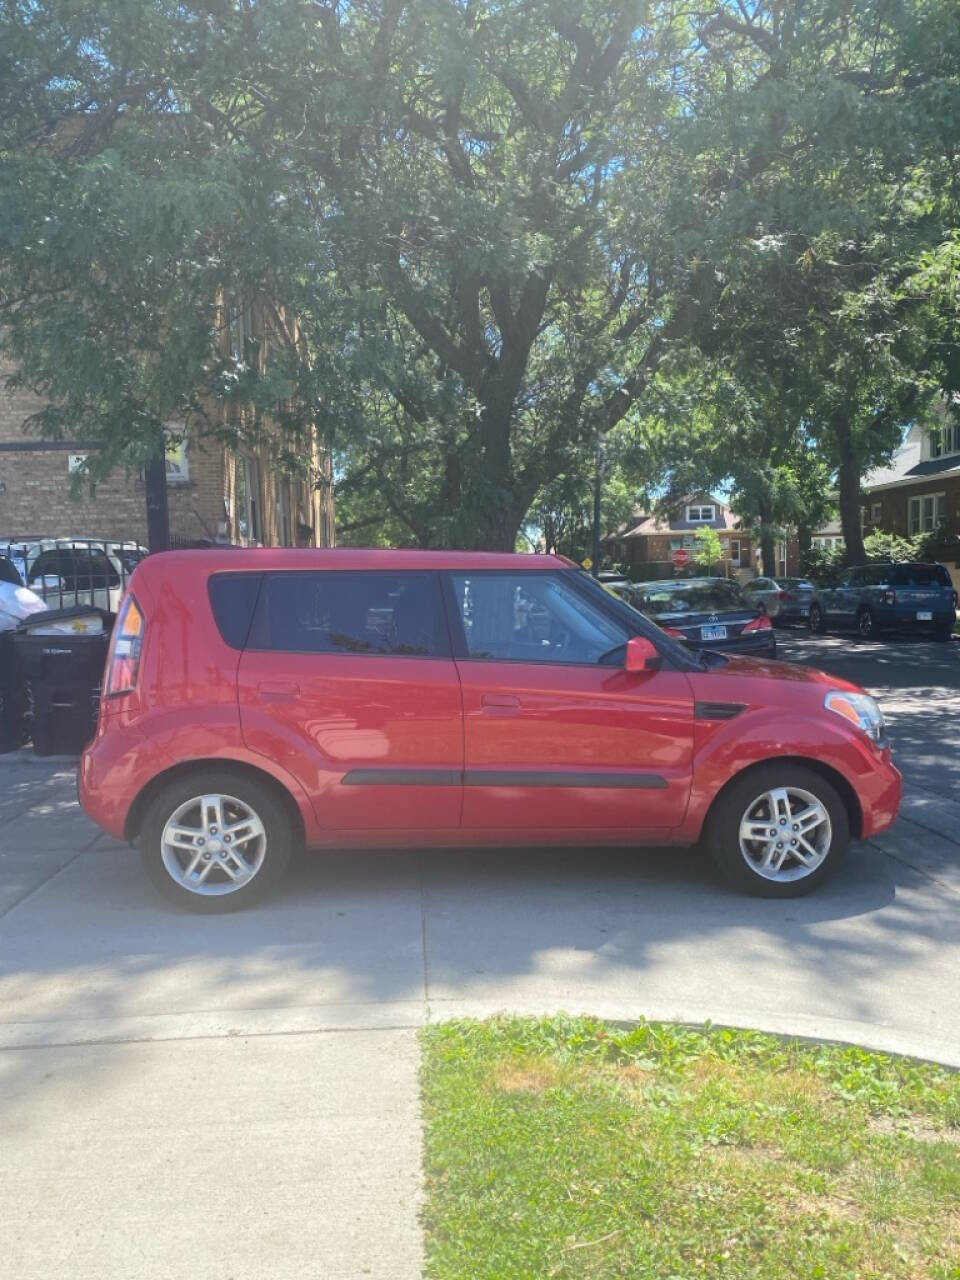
75 571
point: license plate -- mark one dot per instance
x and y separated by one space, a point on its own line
713 633
924 616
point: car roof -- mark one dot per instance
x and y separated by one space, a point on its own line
259 559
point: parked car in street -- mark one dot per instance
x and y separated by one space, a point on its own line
256 701
874 598
781 599
705 613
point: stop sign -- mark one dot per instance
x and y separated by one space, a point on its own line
681 558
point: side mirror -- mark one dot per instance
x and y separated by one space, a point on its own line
642 654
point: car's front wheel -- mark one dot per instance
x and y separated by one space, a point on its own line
217 840
778 831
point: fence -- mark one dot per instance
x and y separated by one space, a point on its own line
71 571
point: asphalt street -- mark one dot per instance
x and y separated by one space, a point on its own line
236 1097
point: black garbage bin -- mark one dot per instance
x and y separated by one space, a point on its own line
61 674
12 702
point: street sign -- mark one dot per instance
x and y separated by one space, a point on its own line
681 558
587 563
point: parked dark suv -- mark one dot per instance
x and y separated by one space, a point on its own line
877 597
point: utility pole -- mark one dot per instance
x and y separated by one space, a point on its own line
158 514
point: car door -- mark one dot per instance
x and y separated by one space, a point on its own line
557 735
348 682
759 592
832 597
849 596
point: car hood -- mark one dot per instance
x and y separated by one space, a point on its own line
765 670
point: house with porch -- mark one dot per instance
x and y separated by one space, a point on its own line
646 545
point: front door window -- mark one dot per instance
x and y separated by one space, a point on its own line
531 617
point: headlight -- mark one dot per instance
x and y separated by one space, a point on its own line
860 709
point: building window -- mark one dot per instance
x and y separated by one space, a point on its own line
735 553
247 502
926 513
945 440
701 515
875 513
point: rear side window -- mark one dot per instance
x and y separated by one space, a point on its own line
232 598
351 612
921 575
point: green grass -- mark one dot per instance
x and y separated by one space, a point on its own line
573 1148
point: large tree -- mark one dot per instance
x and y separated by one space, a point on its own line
494 223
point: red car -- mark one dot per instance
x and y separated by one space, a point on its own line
259 701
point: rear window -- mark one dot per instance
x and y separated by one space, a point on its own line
359 613
695 597
920 575
79 569
233 597
798 583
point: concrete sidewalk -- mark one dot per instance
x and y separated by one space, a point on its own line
236 1097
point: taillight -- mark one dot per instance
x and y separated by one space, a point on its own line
125 651
762 623
889 597
784 595
672 631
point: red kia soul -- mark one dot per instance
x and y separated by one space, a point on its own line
259 701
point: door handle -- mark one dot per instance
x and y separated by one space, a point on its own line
500 701
278 690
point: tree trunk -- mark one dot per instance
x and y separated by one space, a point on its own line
768 546
804 543
848 479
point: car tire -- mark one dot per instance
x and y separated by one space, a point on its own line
240 869
943 634
817 620
867 624
748 803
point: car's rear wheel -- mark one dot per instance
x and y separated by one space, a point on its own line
866 624
215 841
818 622
778 831
943 634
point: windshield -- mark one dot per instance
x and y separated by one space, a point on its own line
689 597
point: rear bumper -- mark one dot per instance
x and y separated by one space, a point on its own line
763 646
907 620
113 770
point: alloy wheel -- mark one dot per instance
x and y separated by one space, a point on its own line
785 834
213 845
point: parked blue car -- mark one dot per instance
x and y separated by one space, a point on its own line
879 597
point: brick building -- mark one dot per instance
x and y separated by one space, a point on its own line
645 546
919 492
214 493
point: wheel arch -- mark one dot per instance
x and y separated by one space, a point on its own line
836 779
186 768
